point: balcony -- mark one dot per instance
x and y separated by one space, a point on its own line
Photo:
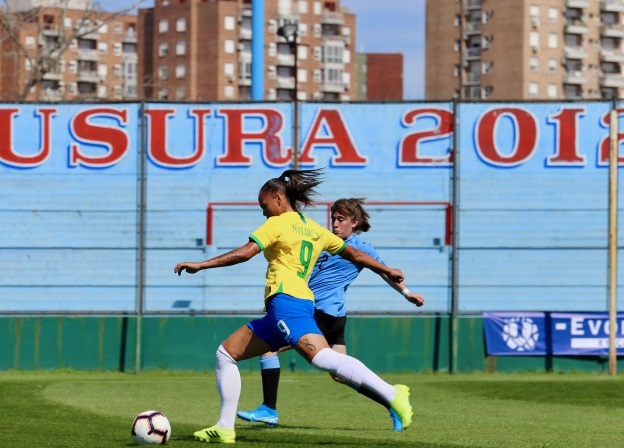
472 5
244 34
284 82
332 87
575 52
54 75
575 77
129 39
472 53
472 28
332 17
577 3
88 54
87 33
616 31
611 56
287 60
472 79
244 81
576 27
612 80
90 76
612 5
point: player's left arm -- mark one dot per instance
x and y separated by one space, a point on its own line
402 288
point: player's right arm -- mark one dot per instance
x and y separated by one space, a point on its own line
236 256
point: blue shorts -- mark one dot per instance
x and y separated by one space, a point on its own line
286 320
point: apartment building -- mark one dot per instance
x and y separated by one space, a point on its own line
201 50
525 49
91 55
379 76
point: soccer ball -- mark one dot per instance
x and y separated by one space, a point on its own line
151 428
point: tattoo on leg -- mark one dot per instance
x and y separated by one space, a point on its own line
308 346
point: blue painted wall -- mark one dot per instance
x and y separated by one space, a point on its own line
531 235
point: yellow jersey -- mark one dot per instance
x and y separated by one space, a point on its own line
292 243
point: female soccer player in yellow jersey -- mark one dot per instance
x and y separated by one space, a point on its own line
291 243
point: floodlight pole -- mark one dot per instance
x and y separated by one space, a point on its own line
613 211
290 32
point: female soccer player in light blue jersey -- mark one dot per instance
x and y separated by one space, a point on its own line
291 243
329 281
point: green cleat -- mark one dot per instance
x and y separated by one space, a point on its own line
215 434
402 406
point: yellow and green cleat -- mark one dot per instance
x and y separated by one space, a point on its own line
215 434
402 406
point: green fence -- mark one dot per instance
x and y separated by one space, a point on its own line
397 344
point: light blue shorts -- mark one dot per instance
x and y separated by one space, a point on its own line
286 320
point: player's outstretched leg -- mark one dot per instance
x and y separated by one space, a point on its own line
402 406
262 413
215 434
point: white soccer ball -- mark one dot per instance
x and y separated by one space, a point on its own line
151 428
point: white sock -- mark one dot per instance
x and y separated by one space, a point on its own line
353 371
229 387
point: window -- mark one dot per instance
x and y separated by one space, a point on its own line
103 47
102 70
27 65
316 53
181 25
533 64
180 93
271 72
302 52
316 76
552 65
103 29
533 89
181 48
229 23
117 48
117 70
303 6
272 49
73 67
302 75
333 53
316 30
180 71
67 22
163 72
101 91
163 26
334 76
163 49
317 8
534 11
228 91
552 91
486 66
29 41
552 40
534 40
228 70
553 14
118 28
163 94
229 46
302 29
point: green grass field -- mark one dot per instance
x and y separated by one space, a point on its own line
76 409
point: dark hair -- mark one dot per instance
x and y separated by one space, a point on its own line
297 186
354 209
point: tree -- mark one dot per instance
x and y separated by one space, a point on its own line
37 38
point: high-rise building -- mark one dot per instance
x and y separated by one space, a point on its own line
380 76
521 49
68 52
202 50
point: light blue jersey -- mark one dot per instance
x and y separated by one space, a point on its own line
332 275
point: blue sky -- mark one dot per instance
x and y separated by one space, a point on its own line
394 26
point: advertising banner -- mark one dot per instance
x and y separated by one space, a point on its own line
577 334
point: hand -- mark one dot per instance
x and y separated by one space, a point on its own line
396 275
190 268
414 298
